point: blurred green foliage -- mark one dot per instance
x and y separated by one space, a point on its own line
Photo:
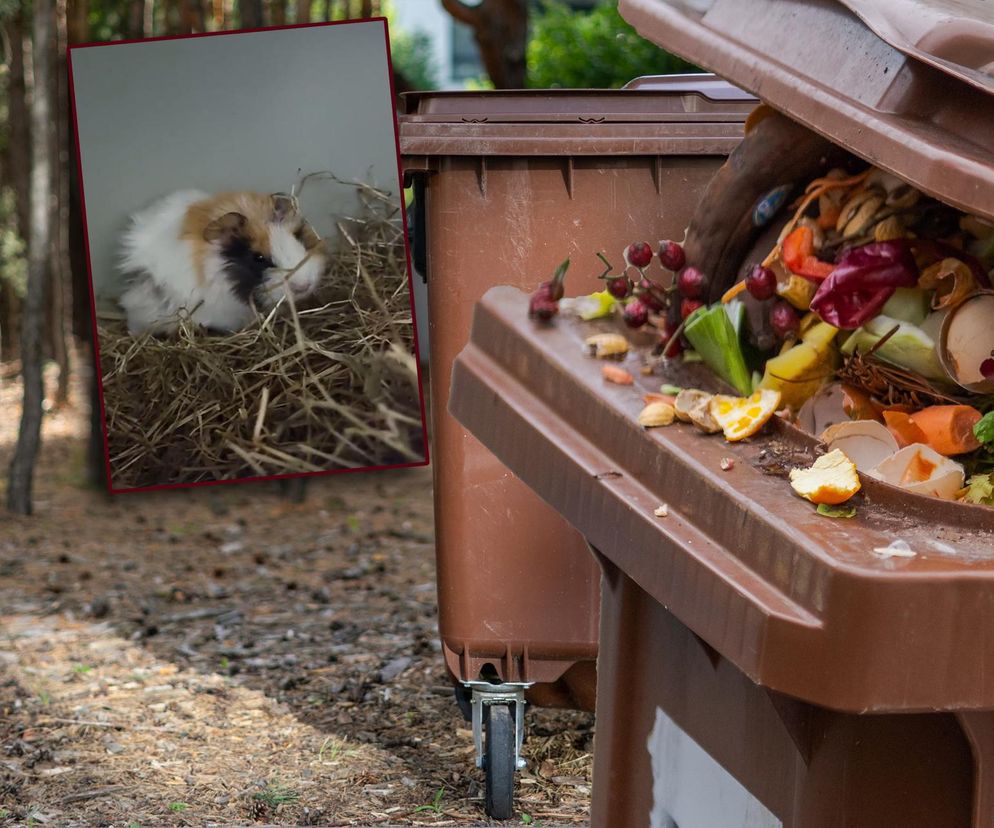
593 49
411 55
13 250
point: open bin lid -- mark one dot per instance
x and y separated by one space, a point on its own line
905 84
694 114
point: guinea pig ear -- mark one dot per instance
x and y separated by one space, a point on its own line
224 229
284 206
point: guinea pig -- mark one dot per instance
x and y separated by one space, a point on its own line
213 257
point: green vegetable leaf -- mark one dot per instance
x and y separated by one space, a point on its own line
715 338
984 429
836 511
980 489
671 390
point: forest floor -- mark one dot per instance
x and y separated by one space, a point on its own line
223 656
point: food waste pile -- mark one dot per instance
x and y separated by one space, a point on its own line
868 323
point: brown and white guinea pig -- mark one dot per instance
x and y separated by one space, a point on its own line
212 257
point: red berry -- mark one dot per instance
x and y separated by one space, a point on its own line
676 346
690 283
987 368
636 314
761 282
652 295
688 306
619 287
542 306
784 320
671 255
638 254
553 289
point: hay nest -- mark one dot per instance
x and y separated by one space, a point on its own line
330 386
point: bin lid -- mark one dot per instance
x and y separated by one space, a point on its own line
907 85
698 114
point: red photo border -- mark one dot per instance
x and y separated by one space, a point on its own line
89 268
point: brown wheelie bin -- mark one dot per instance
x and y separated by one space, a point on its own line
762 665
508 184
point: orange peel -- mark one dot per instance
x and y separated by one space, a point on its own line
831 480
741 417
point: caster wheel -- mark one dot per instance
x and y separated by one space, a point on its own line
499 761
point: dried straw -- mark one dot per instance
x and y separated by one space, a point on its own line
330 386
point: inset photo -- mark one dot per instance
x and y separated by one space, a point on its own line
247 254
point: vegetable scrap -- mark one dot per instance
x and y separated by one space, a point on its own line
617 375
727 463
831 480
741 417
656 414
606 346
871 312
895 549
661 511
845 511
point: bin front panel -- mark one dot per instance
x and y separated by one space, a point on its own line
800 603
800 766
517 586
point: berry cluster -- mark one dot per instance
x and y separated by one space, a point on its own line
761 282
647 297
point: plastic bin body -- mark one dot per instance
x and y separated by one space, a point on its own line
513 184
757 652
761 665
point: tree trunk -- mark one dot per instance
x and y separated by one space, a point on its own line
10 315
22 466
303 11
77 24
501 31
19 140
61 304
136 20
15 171
192 17
277 12
250 13
220 17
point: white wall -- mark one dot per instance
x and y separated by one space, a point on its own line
431 18
231 112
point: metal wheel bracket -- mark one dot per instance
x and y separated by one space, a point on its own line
485 694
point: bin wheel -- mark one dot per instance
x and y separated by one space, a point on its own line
499 761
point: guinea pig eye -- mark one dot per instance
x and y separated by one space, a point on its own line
258 257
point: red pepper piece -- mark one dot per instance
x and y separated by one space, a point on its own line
798 251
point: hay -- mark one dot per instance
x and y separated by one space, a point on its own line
329 386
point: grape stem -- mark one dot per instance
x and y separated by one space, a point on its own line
609 266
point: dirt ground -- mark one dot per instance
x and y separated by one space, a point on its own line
225 656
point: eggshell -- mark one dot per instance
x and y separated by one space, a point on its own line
919 469
866 442
967 339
